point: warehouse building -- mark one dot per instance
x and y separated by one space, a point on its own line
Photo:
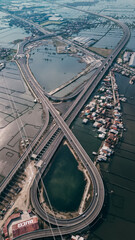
27 226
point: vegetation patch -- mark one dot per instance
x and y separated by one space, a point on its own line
7 54
104 52
17 41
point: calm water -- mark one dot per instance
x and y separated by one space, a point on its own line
64 183
74 85
52 69
9 34
118 174
120 220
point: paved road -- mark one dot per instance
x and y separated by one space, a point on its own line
79 223
75 224
30 148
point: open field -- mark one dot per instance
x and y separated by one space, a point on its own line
101 51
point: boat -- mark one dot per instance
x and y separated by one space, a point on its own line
123 99
94 153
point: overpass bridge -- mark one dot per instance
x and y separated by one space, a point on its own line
80 222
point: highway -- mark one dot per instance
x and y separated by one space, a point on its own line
82 221
21 160
85 71
79 223
36 139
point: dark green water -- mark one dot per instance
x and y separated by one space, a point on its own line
87 136
118 174
64 182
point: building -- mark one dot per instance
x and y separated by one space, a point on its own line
11 218
85 120
126 56
77 237
33 156
25 227
132 60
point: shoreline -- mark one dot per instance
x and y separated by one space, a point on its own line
81 168
85 197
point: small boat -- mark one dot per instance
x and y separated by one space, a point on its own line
94 153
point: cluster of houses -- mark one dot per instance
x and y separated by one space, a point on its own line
105 113
126 65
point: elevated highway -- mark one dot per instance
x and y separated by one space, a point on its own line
79 223
82 221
